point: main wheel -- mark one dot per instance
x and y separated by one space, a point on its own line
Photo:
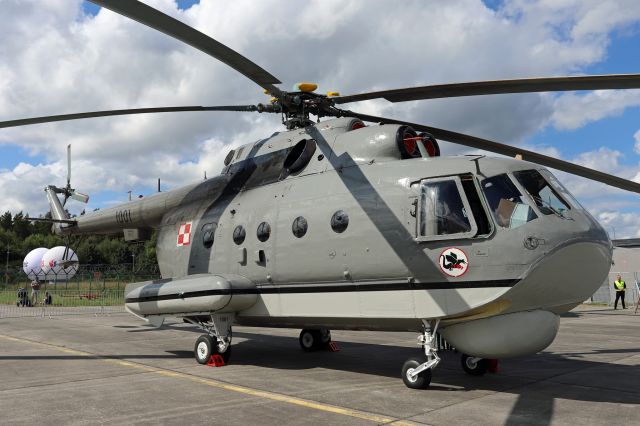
225 355
204 348
473 366
325 336
310 340
420 381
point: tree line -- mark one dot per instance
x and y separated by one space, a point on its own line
20 235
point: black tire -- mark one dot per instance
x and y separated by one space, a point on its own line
203 348
472 368
310 340
325 336
422 380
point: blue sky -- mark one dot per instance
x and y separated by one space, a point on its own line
58 57
623 57
92 9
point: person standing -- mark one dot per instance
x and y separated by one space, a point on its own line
619 286
35 290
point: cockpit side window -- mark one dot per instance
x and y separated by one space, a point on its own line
506 202
445 211
545 196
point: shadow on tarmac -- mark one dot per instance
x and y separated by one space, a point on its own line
570 378
537 380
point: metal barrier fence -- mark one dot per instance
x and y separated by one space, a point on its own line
56 302
15 277
88 292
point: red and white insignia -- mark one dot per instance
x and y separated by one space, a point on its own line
453 262
184 234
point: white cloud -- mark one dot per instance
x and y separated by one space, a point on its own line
605 160
620 225
573 111
54 60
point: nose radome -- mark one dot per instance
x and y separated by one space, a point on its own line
566 276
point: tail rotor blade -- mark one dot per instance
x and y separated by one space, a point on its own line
78 196
69 165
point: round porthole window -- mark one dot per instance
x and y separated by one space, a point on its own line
208 234
264 231
299 226
339 221
238 235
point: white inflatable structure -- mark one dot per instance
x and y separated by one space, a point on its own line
59 264
32 263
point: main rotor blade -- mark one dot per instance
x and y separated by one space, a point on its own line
512 151
172 27
65 117
494 87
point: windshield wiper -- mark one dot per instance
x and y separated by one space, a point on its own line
540 200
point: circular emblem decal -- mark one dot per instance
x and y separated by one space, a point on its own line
453 262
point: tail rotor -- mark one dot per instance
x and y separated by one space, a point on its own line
68 191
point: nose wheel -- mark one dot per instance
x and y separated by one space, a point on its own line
411 380
416 372
474 366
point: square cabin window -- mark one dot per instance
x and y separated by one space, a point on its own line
444 210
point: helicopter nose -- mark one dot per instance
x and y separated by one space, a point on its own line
565 277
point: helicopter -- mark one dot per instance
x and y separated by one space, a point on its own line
337 224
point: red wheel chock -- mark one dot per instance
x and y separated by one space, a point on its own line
215 361
493 366
333 347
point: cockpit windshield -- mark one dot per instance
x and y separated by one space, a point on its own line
506 202
545 196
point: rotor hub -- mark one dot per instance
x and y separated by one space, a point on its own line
297 107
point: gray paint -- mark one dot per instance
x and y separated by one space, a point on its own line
360 172
500 337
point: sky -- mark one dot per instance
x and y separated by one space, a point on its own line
65 56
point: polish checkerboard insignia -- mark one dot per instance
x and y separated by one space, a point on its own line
184 234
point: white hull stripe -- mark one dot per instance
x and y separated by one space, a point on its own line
329 288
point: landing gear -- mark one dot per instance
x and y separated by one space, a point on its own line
217 341
412 380
314 339
204 348
473 365
416 372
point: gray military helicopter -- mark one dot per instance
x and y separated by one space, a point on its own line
340 225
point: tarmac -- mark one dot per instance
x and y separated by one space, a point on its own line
113 369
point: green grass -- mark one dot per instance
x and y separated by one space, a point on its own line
71 297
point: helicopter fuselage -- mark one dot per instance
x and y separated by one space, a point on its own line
360 238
